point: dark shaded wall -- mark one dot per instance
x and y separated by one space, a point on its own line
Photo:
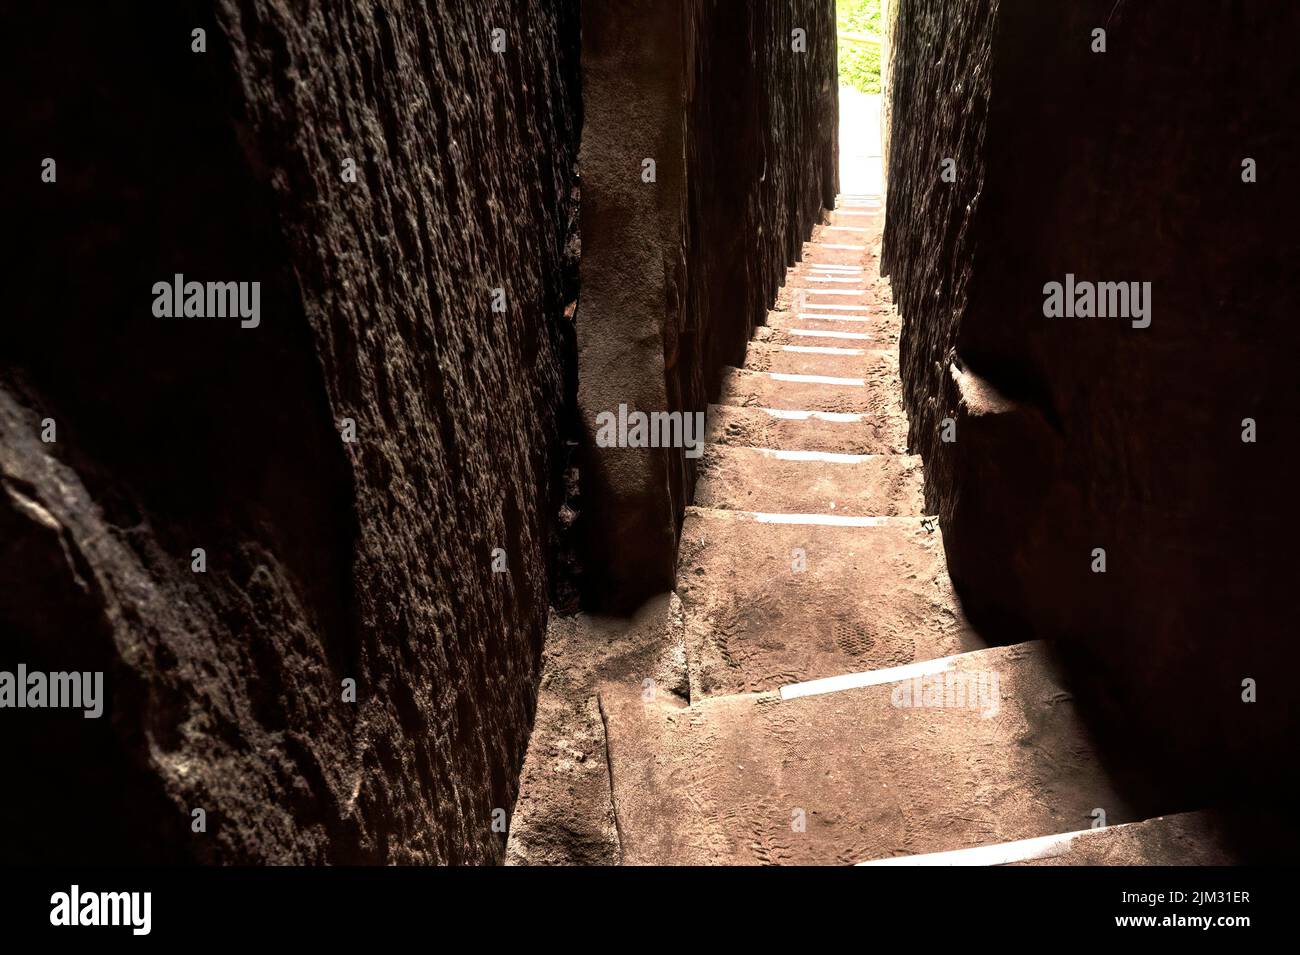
1081 433
326 560
676 273
938 101
762 148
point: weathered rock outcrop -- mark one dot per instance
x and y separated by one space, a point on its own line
1076 435
327 560
677 271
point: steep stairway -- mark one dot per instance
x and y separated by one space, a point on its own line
840 709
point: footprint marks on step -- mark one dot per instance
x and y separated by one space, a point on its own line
852 638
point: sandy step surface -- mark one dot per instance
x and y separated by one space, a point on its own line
773 603
824 321
871 393
857 775
796 296
859 215
878 316
829 279
806 431
838 252
810 293
767 479
856 229
835 337
834 358
883 327
860 276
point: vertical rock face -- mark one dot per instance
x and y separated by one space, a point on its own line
761 150
940 76
676 272
633 214
1076 435
326 560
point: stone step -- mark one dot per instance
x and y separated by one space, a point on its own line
824 321
836 253
855 775
873 393
842 230
845 201
806 431
814 287
861 275
798 293
1191 838
829 280
857 215
837 359
809 482
796 297
883 325
835 337
846 231
773 598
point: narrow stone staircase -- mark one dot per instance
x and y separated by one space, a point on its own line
840 709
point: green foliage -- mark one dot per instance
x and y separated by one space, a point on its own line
859 63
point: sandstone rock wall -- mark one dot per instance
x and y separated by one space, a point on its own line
325 560
1074 434
938 100
676 272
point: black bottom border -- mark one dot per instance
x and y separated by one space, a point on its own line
562 905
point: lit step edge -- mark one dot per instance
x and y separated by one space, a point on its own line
1021 850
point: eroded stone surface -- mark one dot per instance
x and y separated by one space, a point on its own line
325 561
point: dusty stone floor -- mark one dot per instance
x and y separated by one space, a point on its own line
564 814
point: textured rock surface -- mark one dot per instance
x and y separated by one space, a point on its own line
565 813
940 71
676 273
1075 434
325 560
